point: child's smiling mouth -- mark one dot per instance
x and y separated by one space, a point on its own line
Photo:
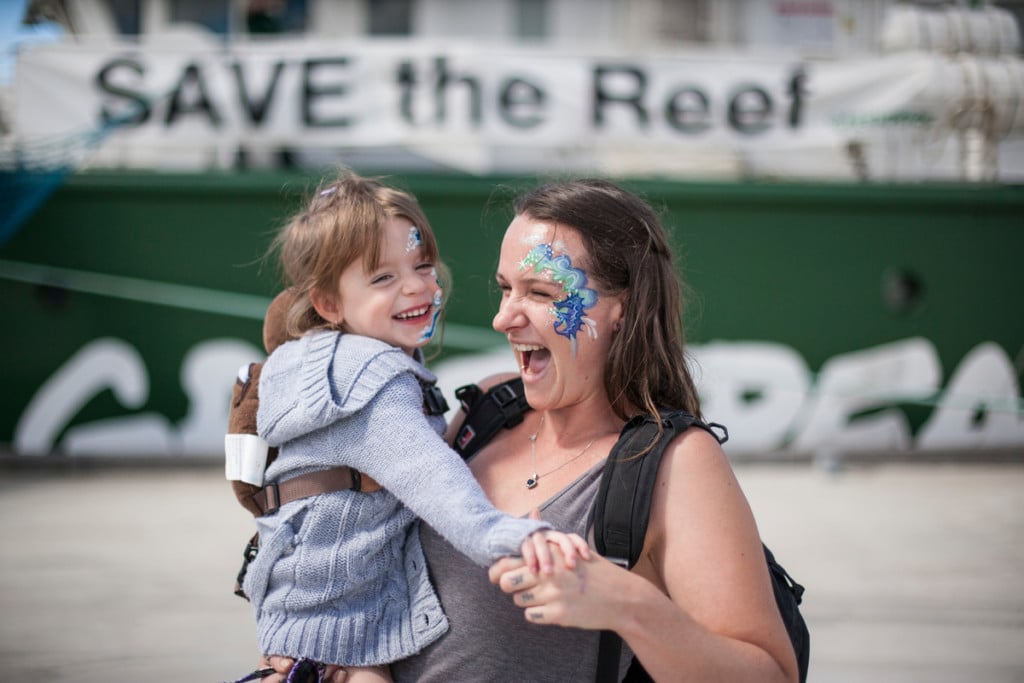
414 314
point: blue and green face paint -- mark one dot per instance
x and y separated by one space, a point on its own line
414 241
429 330
570 312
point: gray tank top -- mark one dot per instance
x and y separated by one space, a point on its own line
489 639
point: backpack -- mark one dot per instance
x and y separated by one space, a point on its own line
622 507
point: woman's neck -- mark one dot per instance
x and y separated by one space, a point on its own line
570 426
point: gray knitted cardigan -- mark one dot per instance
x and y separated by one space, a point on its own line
341 577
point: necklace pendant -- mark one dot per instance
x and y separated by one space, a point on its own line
532 482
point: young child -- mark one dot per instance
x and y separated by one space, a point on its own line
340 577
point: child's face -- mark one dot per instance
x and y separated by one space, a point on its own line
398 302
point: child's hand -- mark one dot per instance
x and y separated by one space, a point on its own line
537 555
282 666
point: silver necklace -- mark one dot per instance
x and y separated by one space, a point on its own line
533 480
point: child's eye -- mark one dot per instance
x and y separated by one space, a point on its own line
383 277
425 266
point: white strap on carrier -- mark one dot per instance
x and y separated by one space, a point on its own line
245 458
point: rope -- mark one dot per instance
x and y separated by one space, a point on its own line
203 299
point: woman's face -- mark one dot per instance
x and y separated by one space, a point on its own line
557 318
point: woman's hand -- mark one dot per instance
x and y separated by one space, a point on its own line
537 550
588 595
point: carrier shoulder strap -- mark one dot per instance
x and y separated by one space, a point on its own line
487 413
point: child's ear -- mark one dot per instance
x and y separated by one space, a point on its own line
327 306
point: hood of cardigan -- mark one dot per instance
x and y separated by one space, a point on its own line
325 376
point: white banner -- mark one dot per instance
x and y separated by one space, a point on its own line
398 94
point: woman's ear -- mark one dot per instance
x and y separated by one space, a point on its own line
616 312
327 306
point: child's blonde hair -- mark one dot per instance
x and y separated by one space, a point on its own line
342 221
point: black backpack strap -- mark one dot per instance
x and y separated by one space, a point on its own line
623 502
609 650
788 596
623 506
487 413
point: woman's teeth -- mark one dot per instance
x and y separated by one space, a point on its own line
525 351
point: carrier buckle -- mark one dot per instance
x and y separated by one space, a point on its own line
272 496
503 395
434 401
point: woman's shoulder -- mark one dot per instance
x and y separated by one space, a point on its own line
494 380
696 481
694 475
696 452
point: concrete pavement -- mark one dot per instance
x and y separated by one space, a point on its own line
915 572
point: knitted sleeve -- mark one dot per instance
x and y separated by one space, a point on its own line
409 459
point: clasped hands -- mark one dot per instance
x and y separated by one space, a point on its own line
553 581
567 584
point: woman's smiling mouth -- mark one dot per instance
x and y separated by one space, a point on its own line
532 357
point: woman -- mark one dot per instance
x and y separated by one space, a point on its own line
591 305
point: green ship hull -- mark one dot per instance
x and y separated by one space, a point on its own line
823 317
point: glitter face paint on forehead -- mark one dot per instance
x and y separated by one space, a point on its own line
413 240
570 312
